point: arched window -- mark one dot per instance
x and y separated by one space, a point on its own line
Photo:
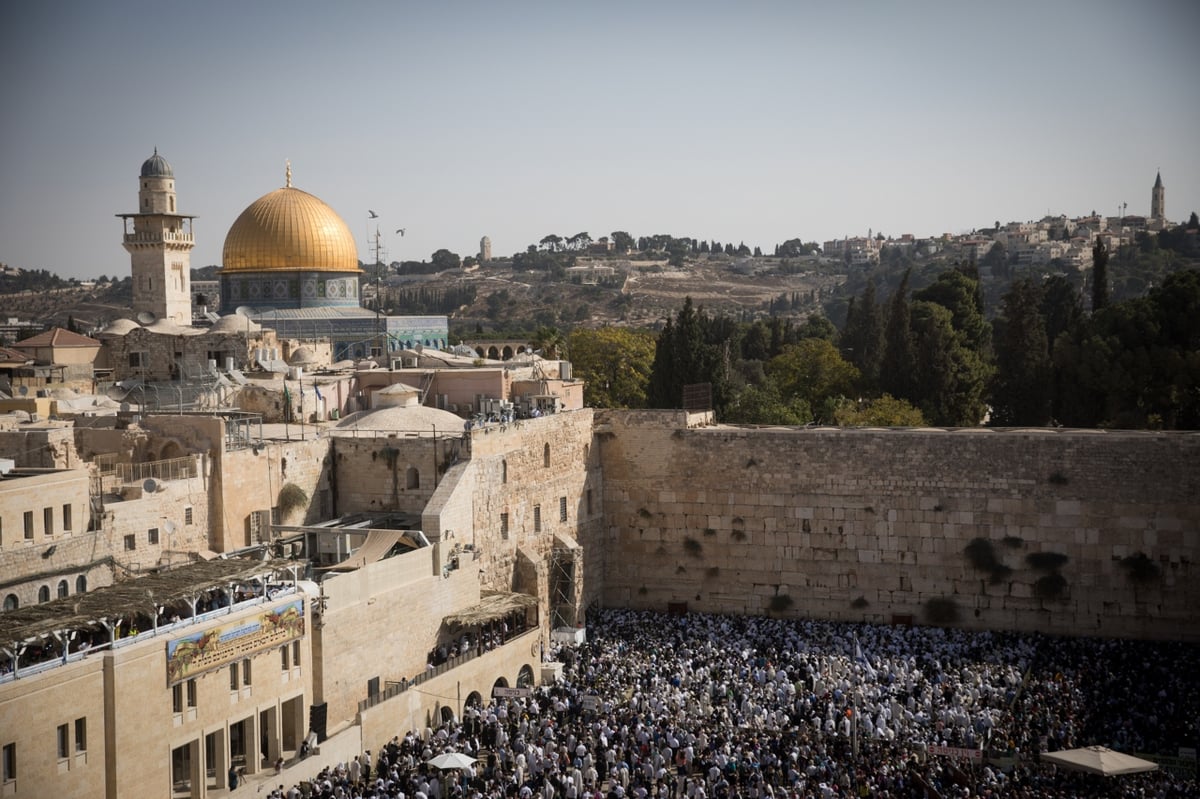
525 677
63 589
44 594
546 456
412 478
503 471
81 584
11 602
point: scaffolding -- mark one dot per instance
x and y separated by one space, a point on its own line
564 562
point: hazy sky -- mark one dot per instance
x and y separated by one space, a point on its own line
739 121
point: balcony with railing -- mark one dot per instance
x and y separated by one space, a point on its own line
159 237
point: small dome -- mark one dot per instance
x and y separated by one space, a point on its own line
119 327
415 419
235 323
302 356
156 167
289 230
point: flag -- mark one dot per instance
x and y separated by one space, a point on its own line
317 391
860 658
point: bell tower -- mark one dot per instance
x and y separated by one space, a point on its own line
159 241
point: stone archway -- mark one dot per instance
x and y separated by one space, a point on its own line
525 677
474 699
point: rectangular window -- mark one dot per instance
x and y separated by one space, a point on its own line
10 762
562 509
66 518
130 542
537 518
187 515
504 525
64 741
233 677
246 671
152 535
48 520
81 734
137 359
177 698
191 692
296 654
285 658
29 524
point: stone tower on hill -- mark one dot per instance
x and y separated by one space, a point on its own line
160 246
1158 200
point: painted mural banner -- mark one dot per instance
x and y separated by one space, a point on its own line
218 646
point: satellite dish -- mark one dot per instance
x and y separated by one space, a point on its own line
170 527
150 486
23 390
419 348
146 318
244 310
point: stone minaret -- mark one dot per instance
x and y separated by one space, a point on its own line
1158 200
160 246
485 249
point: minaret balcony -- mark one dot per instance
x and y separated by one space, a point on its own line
159 237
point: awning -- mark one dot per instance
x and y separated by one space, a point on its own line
378 544
490 608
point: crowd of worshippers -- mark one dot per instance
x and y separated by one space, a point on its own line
707 707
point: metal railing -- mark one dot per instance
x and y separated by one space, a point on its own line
131 473
397 688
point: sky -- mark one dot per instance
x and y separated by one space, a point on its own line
747 121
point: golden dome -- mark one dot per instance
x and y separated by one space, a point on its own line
289 230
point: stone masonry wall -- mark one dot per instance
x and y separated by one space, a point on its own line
511 476
874 525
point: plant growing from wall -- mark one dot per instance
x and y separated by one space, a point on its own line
1013 541
1058 479
860 603
1050 586
779 603
1140 569
291 498
738 535
713 571
941 610
645 514
709 531
982 556
1046 561
693 547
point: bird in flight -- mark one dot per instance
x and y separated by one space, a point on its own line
373 215
401 231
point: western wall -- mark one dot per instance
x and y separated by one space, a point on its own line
922 525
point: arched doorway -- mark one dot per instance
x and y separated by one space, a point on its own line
474 699
447 715
525 677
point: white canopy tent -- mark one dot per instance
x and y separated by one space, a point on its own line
1098 760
